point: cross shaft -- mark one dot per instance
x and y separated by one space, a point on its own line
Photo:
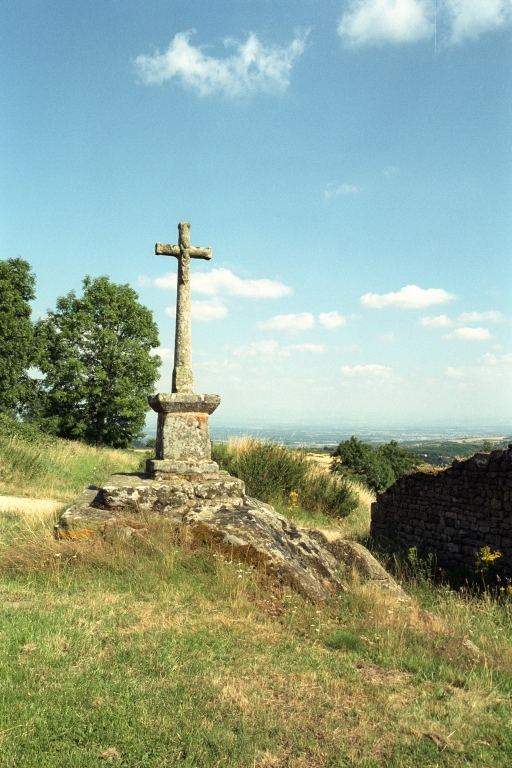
182 375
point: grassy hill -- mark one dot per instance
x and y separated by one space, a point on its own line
146 652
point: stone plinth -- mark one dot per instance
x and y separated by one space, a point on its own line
183 434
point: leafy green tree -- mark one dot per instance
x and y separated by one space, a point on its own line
401 461
377 468
17 347
97 365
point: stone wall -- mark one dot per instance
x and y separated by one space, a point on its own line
452 512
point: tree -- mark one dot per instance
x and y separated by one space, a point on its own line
97 364
17 348
378 469
401 461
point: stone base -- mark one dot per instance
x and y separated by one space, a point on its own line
162 469
183 434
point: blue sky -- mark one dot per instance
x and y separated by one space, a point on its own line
352 178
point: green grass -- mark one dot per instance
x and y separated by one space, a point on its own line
146 653
173 656
58 469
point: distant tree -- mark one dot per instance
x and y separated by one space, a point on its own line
401 461
97 365
17 346
487 446
377 468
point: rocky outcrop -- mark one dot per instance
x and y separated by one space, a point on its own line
216 511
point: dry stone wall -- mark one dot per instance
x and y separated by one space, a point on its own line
453 512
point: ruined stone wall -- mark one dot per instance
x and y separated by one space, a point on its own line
452 512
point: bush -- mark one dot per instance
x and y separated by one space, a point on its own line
29 433
376 468
272 472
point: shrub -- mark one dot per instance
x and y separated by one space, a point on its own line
273 472
376 468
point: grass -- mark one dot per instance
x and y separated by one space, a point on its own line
58 469
146 653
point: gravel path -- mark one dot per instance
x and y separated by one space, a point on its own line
16 504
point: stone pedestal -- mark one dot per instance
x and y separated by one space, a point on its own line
183 435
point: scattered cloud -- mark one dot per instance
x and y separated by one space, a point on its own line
480 317
164 352
374 22
265 348
269 348
388 338
317 348
204 311
223 281
349 348
367 371
471 18
331 320
143 281
370 22
470 334
390 170
252 68
488 359
507 358
290 323
213 366
409 297
455 373
333 190
440 321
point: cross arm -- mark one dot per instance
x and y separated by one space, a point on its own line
161 249
167 250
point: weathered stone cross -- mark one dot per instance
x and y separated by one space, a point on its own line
182 375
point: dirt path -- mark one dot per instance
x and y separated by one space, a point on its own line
16 504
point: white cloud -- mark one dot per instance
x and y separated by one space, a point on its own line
366 371
471 18
390 170
488 359
440 321
369 22
222 280
373 22
409 297
388 338
470 334
331 320
317 348
507 358
332 190
480 317
213 366
349 348
266 348
455 373
291 323
204 311
250 69
143 281
164 352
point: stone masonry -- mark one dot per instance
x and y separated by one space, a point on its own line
452 512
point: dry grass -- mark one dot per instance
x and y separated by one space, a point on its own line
158 649
60 470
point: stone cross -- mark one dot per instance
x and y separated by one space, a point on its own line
182 375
